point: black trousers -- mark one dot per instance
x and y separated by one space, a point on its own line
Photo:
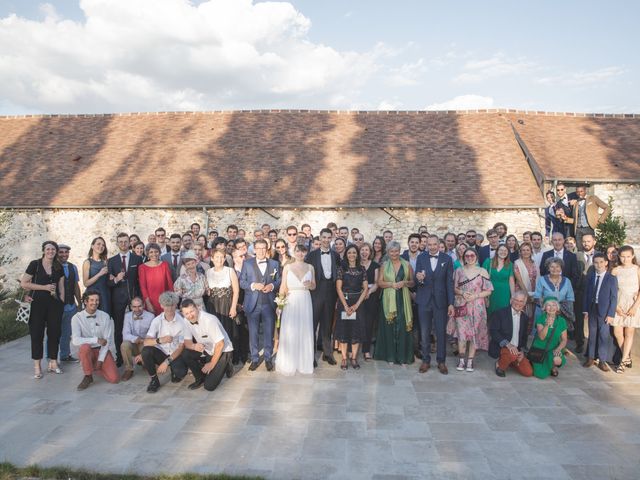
152 357
324 300
578 331
196 360
118 310
240 338
46 315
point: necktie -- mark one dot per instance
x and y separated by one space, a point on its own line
175 261
597 285
124 263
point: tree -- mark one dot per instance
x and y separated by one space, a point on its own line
613 231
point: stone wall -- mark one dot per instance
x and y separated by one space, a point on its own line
626 204
24 230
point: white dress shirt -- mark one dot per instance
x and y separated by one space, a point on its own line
208 331
136 327
87 329
516 328
433 261
161 327
558 253
325 260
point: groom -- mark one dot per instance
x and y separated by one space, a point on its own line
260 278
325 263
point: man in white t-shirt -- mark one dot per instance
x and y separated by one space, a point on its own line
165 342
209 356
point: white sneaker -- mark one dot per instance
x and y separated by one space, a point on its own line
461 365
470 365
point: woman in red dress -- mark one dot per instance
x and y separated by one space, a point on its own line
155 278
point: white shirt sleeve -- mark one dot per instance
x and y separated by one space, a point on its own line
108 335
154 328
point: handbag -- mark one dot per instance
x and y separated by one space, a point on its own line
24 308
536 354
460 311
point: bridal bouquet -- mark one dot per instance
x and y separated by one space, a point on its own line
280 301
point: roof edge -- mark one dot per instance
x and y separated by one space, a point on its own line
296 207
337 112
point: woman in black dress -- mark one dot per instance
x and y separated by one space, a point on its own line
44 279
352 289
371 306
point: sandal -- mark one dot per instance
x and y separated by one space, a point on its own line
55 369
38 373
627 363
554 372
354 364
620 368
344 365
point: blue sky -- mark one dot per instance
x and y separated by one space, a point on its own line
111 55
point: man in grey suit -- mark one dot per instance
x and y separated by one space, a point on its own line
174 256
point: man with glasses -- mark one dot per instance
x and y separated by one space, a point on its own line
488 251
161 240
564 209
471 237
358 240
292 239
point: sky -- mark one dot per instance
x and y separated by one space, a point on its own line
104 56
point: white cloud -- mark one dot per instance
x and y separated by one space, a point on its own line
497 66
389 105
172 54
463 102
582 78
408 74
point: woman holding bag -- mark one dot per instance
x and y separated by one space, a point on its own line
472 286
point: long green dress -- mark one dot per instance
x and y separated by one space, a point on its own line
543 370
394 343
501 295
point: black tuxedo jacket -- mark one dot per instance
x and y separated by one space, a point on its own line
129 287
484 252
570 269
313 258
501 329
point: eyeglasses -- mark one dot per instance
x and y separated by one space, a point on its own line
471 236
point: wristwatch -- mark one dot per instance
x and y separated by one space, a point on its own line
157 341
168 359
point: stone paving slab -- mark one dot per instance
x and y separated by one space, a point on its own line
382 422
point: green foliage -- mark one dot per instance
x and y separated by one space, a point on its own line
11 472
9 328
613 231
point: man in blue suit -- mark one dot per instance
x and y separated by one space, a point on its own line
488 251
434 296
260 279
599 308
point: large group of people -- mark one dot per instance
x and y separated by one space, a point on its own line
208 303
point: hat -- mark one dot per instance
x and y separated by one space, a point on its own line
549 299
189 255
62 245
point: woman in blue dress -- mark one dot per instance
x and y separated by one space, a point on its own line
95 273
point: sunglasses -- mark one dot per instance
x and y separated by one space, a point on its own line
292 234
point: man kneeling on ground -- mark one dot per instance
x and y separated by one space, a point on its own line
92 331
208 350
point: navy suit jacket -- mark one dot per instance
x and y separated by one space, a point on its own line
438 285
251 274
484 252
570 269
129 287
607 297
501 329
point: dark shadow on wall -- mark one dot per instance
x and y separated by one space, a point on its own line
46 155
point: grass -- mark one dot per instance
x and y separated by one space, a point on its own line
11 472
9 328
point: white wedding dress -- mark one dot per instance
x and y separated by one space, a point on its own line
295 347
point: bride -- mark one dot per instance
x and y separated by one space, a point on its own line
295 351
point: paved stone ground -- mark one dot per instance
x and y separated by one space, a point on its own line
382 422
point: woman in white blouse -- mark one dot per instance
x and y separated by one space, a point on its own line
224 291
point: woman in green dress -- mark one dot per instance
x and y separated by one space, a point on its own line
500 271
550 323
395 341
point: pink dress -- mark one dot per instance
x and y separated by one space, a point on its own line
473 325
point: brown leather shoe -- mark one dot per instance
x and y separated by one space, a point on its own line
603 366
86 381
127 375
424 367
442 368
588 363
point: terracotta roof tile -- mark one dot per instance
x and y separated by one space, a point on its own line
265 158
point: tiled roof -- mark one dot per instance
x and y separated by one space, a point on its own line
575 147
278 159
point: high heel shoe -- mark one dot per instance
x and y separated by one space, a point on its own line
344 365
55 369
354 364
37 373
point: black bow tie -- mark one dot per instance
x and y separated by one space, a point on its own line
91 316
433 256
263 261
195 323
137 317
325 253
